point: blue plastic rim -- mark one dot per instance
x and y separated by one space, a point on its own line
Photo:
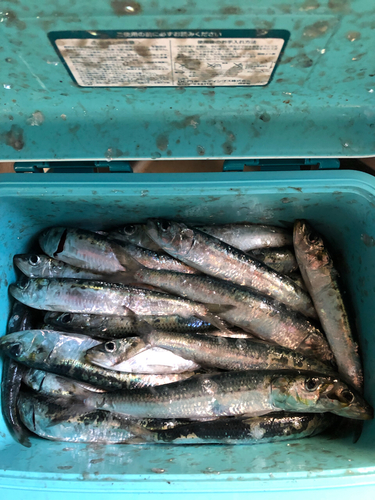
340 205
320 102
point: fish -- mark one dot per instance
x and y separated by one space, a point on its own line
64 355
296 276
49 384
95 297
235 393
109 327
42 266
21 318
232 354
87 250
116 351
262 316
96 427
323 282
281 259
136 234
213 257
271 428
114 356
248 236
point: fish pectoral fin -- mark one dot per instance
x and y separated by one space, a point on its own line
212 317
219 308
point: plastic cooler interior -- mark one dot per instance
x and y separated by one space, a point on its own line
340 205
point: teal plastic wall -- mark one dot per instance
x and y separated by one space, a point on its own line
340 204
320 102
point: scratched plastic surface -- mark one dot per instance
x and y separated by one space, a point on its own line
341 206
321 101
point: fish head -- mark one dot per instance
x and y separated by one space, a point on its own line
310 244
30 291
174 237
114 352
309 392
52 240
30 347
73 322
33 265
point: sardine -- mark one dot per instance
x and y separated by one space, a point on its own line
322 281
21 318
281 259
114 355
250 393
136 234
95 297
232 354
267 429
37 414
64 355
263 316
216 258
123 326
249 236
42 266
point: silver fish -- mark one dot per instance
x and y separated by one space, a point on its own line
50 384
267 429
250 393
96 427
114 356
322 281
122 326
136 234
42 266
216 258
249 236
233 354
95 297
281 259
21 318
113 352
262 316
86 249
64 355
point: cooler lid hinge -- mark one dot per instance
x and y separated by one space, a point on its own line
280 165
71 166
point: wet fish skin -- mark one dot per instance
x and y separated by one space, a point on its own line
213 257
270 428
95 297
323 282
152 360
262 316
49 384
42 266
250 393
248 236
281 260
136 234
64 355
234 354
21 318
122 326
96 427
114 352
86 249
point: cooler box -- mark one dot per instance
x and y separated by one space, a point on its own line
276 85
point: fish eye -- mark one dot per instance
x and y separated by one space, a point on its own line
34 260
66 318
348 395
165 225
129 229
109 346
311 384
16 350
313 237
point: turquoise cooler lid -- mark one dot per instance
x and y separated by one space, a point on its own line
319 102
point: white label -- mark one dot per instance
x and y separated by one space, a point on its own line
169 62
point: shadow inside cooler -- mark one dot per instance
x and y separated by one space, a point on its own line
340 205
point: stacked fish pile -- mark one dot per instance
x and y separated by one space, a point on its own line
165 332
